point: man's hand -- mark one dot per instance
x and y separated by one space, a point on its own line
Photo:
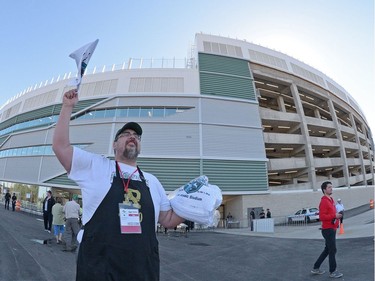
70 98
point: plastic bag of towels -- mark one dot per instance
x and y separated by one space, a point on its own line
197 201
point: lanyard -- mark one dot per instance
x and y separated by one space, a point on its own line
126 186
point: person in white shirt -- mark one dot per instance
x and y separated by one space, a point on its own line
72 212
340 209
121 205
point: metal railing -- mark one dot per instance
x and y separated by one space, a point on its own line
32 208
132 63
279 221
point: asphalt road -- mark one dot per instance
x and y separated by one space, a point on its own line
200 256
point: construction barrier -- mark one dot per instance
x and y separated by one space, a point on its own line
372 204
263 225
18 205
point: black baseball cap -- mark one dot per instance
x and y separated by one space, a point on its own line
132 126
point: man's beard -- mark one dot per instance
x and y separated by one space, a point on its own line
131 153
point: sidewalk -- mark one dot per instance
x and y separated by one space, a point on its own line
361 225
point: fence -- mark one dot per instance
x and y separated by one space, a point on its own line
246 223
32 208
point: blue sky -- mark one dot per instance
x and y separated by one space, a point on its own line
334 36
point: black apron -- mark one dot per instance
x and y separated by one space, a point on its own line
106 254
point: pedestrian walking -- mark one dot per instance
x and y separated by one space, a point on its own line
58 220
72 213
330 220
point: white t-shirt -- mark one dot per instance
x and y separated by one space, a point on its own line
94 175
339 207
72 210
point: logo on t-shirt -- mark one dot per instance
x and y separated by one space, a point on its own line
194 185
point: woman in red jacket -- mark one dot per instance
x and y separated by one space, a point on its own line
330 221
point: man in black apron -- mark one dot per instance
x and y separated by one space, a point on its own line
103 244
119 240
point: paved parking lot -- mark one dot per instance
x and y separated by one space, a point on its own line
200 256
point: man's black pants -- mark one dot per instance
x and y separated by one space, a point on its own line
329 250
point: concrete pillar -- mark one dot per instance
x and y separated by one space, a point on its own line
280 102
339 138
317 113
364 130
359 147
305 133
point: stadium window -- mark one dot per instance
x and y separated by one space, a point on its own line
29 150
133 112
145 112
170 111
109 113
158 112
98 114
48 150
121 112
23 151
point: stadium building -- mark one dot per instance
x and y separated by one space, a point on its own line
263 126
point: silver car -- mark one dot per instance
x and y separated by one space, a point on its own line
305 215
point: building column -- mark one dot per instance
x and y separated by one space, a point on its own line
280 102
369 152
359 147
345 167
305 133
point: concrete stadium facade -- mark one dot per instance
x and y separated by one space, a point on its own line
260 124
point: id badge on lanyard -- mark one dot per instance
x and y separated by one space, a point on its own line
130 217
130 222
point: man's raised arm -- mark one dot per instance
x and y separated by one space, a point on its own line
61 142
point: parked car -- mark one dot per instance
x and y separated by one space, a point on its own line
305 215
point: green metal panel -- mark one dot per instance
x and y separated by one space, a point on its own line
45 112
235 175
224 65
172 173
225 76
229 175
62 180
8 123
2 139
220 85
35 114
80 106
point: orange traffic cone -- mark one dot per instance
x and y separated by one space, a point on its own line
18 205
341 228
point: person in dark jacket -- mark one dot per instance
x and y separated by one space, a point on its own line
7 200
268 214
14 200
48 202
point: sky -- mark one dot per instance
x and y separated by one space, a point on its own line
333 36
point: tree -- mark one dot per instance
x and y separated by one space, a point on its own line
23 189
